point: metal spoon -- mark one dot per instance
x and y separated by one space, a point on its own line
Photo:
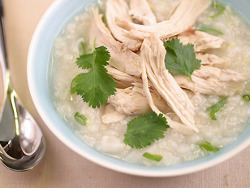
22 144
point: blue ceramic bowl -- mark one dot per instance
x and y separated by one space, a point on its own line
39 64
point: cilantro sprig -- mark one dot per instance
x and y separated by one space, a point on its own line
149 156
207 146
96 85
180 59
143 130
216 108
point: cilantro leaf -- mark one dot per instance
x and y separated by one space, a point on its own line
85 61
206 146
96 85
180 59
143 130
216 108
80 118
246 97
156 158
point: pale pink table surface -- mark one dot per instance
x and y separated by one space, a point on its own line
63 168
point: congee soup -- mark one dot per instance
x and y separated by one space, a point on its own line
153 82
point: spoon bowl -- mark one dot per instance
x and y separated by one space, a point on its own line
26 148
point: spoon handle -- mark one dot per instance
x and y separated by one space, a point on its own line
3 54
9 112
3 57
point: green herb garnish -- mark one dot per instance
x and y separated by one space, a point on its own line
143 130
220 9
96 85
246 97
83 47
216 107
101 11
209 30
206 146
180 59
80 118
156 158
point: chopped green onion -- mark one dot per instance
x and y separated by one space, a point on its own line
246 97
206 146
219 9
80 118
72 87
83 47
216 107
101 11
209 30
212 114
156 158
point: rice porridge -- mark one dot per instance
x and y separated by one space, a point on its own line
175 147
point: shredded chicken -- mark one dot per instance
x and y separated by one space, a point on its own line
213 81
111 115
121 58
122 79
140 10
119 9
202 41
132 101
183 18
174 5
153 67
212 60
144 83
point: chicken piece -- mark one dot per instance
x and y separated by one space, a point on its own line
153 67
129 101
121 58
172 8
120 9
132 101
122 79
213 81
202 41
175 125
125 80
212 60
110 115
182 19
140 10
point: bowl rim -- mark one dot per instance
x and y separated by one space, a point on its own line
123 167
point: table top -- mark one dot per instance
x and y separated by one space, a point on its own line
61 167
